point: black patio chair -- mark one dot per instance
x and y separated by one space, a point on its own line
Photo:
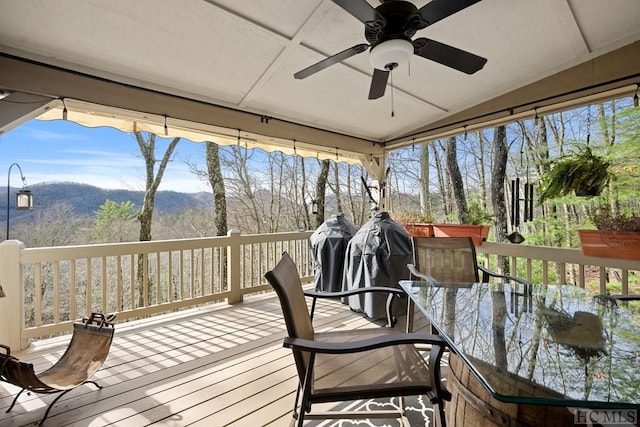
451 260
339 366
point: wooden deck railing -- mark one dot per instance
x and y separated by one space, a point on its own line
47 288
542 264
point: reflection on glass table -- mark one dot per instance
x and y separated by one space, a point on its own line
564 347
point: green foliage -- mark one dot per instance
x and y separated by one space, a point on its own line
625 164
575 172
110 219
110 211
476 214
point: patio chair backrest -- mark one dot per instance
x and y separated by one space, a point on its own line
285 280
447 259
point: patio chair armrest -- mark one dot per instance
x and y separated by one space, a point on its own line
392 294
338 294
366 344
7 349
486 272
623 297
613 299
415 272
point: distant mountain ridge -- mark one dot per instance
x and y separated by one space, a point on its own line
87 199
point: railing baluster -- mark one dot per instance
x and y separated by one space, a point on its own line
562 272
171 284
158 278
181 276
191 275
89 284
37 293
56 292
73 312
203 287
119 290
132 281
603 280
105 284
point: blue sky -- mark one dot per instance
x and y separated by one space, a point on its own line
63 151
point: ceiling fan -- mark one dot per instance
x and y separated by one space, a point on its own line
389 28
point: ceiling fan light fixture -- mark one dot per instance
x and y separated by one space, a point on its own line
394 51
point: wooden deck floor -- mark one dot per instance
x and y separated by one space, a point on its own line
213 366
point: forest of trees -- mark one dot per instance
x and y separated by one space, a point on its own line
457 179
444 180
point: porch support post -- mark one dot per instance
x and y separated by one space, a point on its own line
376 166
12 305
233 267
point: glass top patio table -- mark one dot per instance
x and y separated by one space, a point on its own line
574 349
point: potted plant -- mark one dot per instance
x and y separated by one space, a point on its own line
617 234
417 225
583 173
477 226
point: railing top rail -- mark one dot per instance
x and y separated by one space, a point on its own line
548 253
59 253
117 249
274 237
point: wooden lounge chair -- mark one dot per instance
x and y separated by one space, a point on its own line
87 351
339 366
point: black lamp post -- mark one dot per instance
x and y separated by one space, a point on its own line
24 198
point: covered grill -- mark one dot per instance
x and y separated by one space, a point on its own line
377 255
328 248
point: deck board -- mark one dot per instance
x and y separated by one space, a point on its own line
211 366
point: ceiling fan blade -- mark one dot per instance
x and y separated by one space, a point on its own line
448 55
334 59
378 83
436 10
361 10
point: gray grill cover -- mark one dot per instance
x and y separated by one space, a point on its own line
328 248
376 256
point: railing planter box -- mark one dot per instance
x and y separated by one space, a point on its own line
419 229
478 233
610 244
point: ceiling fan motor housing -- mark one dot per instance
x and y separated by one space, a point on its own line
390 38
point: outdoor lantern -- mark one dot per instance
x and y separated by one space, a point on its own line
24 200
314 206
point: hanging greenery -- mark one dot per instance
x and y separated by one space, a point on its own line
583 173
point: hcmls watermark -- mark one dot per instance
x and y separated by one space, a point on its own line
605 417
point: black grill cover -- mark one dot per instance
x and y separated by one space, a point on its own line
376 256
328 248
